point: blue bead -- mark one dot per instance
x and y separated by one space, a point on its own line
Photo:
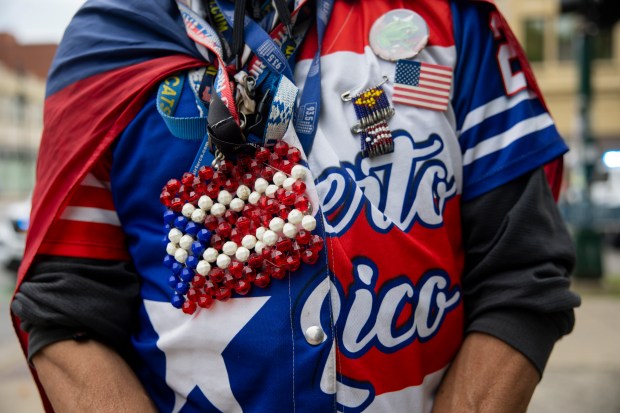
204 236
167 228
187 274
180 222
192 229
176 268
169 261
169 217
182 288
165 241
192 262
177 301
172 281
197 248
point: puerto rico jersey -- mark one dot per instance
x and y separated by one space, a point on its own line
385 295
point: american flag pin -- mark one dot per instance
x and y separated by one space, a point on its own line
421 84
373 110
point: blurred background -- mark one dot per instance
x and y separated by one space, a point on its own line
574 48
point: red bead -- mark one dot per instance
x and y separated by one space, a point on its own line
198 281
237 236
262 280
272 206
292 263
185 192
267 173
217 241
299 187
266 253
284 245
243 224
303 237
242 287
177 204
316 243
225 167
255 216
165 198
216 275
173 186
188 179
236 269
189 307
255 260
248 180
243 160
289 198
229 281
192 294
309 256
262 154
278 272
295 250
293 155
211 287
262 201
265 218
205 301
255 167
231 185
200 188
281 148
212 190
286 166
274 160
211 222
230 216
223 293
278 258
193 197
249 274
283 211
302 203
219 178
205 173
236 172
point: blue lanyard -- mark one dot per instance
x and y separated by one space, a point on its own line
307 116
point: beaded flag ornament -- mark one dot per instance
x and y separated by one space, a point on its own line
237 225
373 110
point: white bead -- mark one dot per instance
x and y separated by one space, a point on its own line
205 203
210 255
175 235
271 191
260 185
260 232
186 242
295 216
223 261
253 198
259 247
229 248
187 210
198 216
224 197
270 238
249 241
171 248
243 192
288 184
276 224
242 254
181 255
279 178
218 210
298 172
289 230
203 267
308 223
237 205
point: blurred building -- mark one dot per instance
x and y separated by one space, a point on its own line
23 69
551 43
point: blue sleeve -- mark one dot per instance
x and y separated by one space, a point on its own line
504 129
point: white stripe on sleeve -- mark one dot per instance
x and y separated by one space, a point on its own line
87 214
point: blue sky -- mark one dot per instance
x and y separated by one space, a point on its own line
37 21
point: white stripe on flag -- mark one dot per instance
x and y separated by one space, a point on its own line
417 102
504 139
438 79
415 94
87 214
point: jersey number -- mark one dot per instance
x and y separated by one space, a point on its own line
513 81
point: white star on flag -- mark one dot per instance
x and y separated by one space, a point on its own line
193 346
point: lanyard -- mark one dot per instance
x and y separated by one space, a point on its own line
307 115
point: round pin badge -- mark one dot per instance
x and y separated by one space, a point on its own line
398 34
